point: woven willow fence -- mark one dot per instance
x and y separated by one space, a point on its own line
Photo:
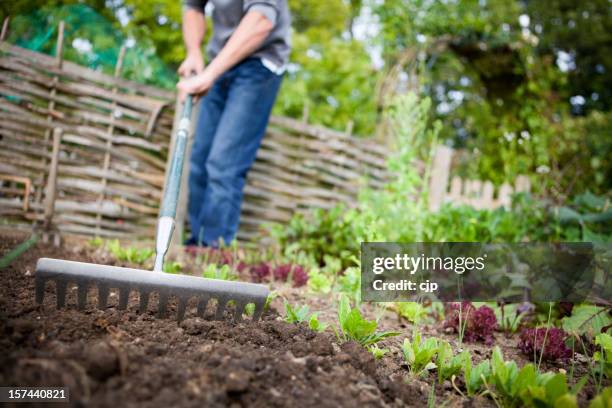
86 153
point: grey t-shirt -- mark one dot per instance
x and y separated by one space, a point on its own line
227 14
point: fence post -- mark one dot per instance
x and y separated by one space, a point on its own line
59 51
51 187
439 176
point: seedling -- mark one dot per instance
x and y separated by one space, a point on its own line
449 364
173 267
419 353
130 254
315 324
213 271
295 314
354 327
377 351
300 315
414 312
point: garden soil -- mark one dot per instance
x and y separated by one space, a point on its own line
113 358
123 358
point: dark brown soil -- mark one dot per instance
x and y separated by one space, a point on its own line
113 358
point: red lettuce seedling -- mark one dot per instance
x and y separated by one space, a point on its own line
281 272
532 341
479 324
260 272
300 276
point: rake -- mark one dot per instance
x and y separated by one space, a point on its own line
166 285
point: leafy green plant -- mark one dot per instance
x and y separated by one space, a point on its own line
475 377
326 234
377 352
602 400
510 382
551 390
414 312
419 353
213 271
350 283
319 282
130 254
587 320
315 324
295 314
509 317
300 315
449 364
96 242
173 267
603 356
354 327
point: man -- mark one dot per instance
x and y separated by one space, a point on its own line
248 52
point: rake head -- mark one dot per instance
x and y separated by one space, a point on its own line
126 280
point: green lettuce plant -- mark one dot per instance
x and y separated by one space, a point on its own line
354 327
419 353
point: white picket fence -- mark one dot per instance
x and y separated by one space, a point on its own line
476 193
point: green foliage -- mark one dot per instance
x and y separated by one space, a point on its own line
315 324
414 312
449 364
419 353
377 352
213 271
475 377
603 356
587 320
508 317
96 242
301 315
510 382
130 254
173 267
602 400
354 327
93 38
349 283
325 234
550 391
295 314
318 282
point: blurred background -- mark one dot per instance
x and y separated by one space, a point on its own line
515 87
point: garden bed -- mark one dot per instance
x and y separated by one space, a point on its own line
111 357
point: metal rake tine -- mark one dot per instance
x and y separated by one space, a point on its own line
144 302
40 289
161 307
124 296
102 296
182 305
259 309
60 286
238 312
221 304
82 295
202 303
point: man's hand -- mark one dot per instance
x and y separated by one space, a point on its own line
192 65
195 85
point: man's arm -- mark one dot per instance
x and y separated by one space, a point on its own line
194 27
249 35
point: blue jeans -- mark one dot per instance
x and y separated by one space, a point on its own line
232 122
